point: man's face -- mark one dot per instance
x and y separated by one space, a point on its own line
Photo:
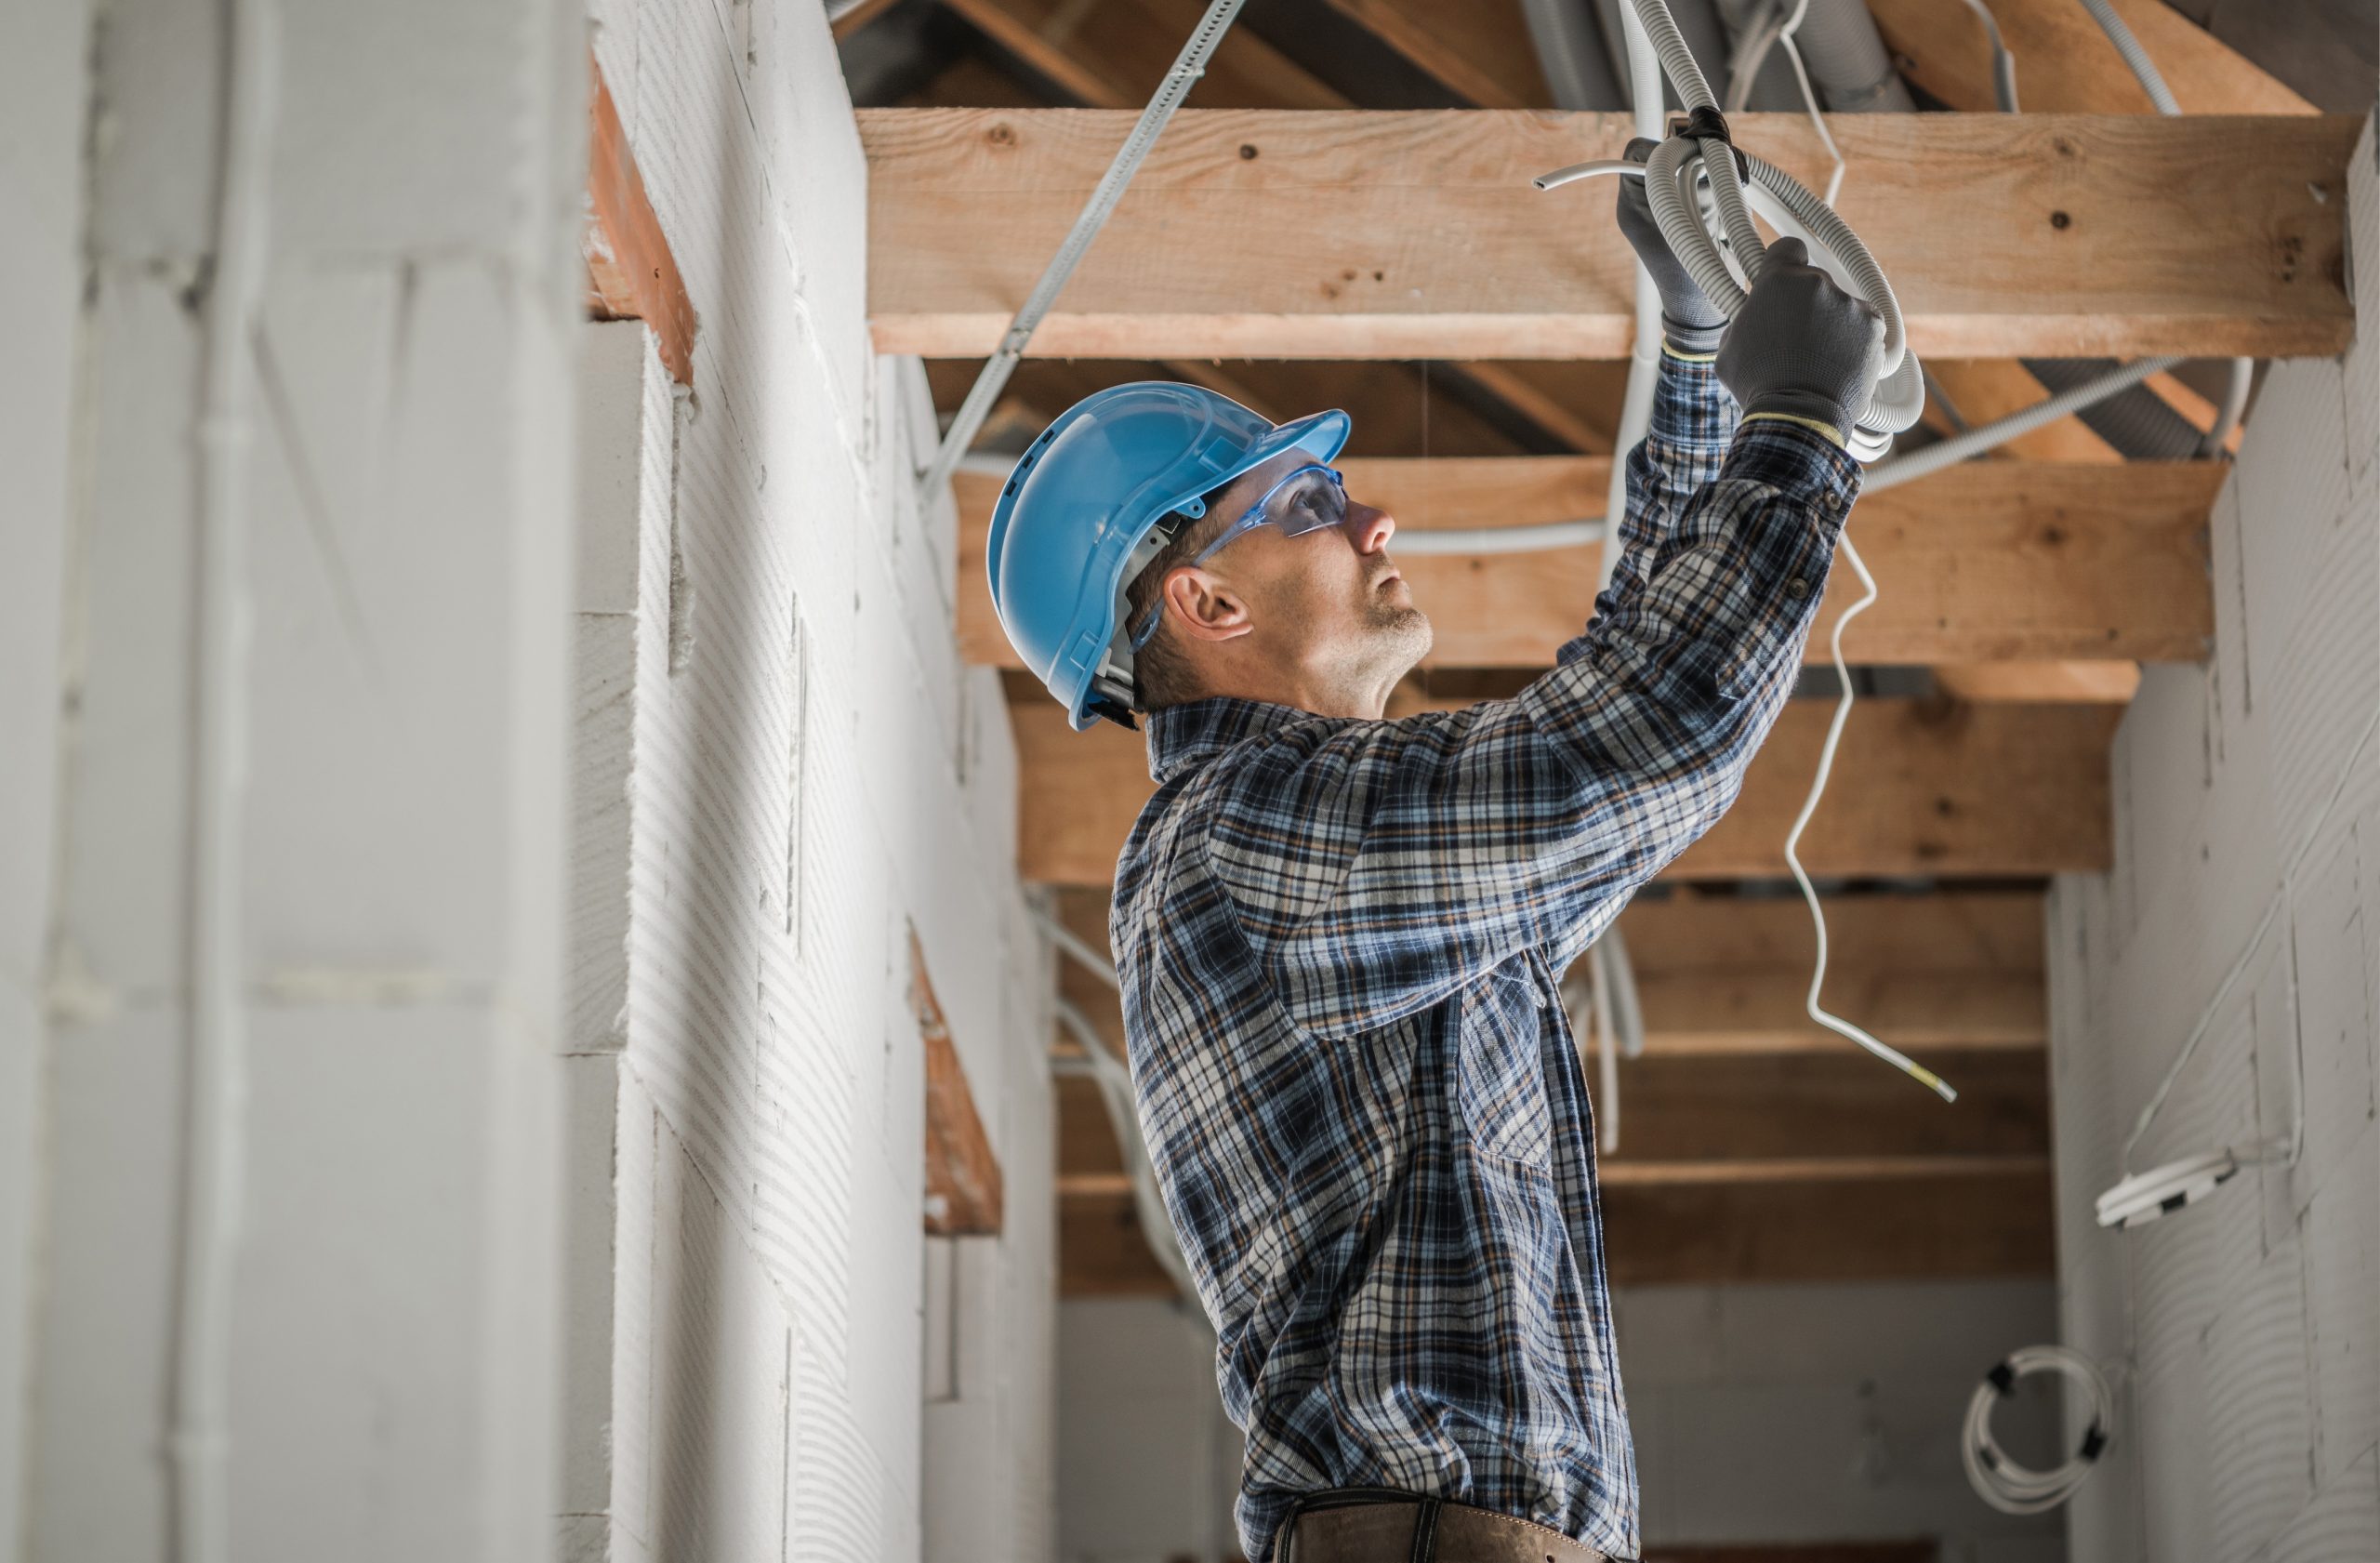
1328 607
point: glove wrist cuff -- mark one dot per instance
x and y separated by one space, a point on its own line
1805 404
1691 340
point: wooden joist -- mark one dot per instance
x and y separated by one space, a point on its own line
963 1182
1921 786
630 274
1478 51
1955 970
1114 54
1993 561
1911 1223
1362 234
2065 62
1724 976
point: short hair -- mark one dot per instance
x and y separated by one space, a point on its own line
1161 673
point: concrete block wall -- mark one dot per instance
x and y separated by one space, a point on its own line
2244 1332
590 809
397 879
783 771
1762 1414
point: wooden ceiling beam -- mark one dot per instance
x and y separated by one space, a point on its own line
2064 61
1920 788
1361 234
1910 1225
1114 54
630 274
2017 562
1479 51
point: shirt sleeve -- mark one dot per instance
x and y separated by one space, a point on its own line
1374 867
1693 423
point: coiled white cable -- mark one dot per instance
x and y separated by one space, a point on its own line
2001 1482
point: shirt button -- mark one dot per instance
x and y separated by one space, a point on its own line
1797 587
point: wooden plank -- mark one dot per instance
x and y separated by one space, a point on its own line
1986 388
1479 51
2000 561
1722 974
859 16
1576 401
2113 683
1920 788
1961 1223
963 1184
630 274
1622 1172
2064 61
1114 54
1361 234
1880 1230
1726 974
1831 1115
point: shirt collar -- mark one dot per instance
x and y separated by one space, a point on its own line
1187 735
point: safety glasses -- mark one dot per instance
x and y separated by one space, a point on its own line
1306 500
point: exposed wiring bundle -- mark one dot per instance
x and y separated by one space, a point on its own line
1999 1481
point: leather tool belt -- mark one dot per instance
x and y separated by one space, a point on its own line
1381 1525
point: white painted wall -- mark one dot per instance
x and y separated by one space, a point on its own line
406 476
784 769
2249 1326
1760 1413
589 818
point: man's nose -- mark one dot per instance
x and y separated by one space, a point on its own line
1369 529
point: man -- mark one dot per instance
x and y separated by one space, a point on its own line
1338 937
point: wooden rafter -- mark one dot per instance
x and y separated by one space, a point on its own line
1112 54
2001 562
963 1182
2064 63
630 274
1478 51
1368 235
1929 787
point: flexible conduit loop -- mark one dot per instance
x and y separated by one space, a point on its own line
1701 157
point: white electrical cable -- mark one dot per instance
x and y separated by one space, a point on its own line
1990 436
1067 939
2239 966
1606 1044
1645 348
1810 1004
1116 1093
2003 1483
2153 81
1843 700
2144 70
2003 64
215 1089
1188 68
1499 539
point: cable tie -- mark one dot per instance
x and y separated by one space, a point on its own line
2094 1438
2002 1378
1707 124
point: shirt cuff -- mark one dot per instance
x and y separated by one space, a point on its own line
1691 409
1801 464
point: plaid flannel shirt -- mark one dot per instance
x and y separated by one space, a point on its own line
1340 942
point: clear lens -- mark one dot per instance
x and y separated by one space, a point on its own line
1307 501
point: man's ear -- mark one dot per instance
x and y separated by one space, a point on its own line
1204 606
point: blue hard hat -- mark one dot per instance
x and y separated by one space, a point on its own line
1078 517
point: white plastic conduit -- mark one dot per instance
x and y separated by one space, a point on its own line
214 1091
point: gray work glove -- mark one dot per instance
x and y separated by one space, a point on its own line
1801 346
1690 320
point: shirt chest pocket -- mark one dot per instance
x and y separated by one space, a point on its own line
1499 1068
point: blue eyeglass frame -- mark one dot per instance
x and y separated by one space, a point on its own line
1254 517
